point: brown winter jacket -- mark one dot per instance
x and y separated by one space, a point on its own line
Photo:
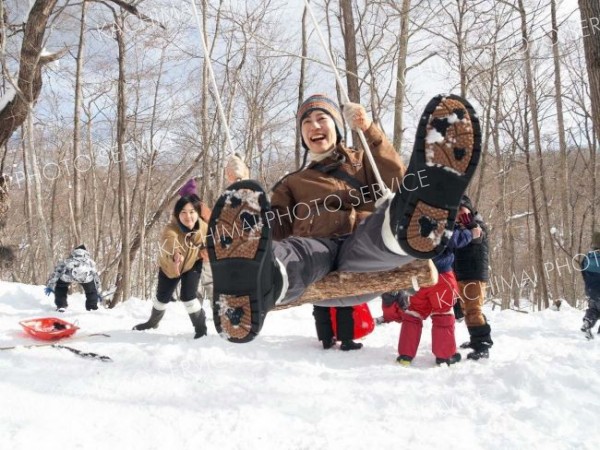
310 203
190 245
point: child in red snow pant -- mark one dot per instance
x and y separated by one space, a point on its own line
435 301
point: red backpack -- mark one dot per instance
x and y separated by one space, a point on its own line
363 320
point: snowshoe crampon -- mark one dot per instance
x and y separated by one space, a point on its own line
48 328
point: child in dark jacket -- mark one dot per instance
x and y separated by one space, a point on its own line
471 266
436 301
590 270
80 268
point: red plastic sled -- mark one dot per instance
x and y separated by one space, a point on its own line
48 328
363 320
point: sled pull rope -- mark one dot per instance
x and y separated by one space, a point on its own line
345 98
212 77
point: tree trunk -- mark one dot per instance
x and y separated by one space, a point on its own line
351 61
401 77
537 138
77 188
298 150
590 22
124 272
31 62
568 290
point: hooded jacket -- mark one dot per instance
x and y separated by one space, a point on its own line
78 267
311 203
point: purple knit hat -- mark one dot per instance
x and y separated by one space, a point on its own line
189 188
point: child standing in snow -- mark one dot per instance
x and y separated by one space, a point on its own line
182 251
436 301
472 273
80 268
590 270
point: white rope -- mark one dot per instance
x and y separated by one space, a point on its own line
212 77
346 99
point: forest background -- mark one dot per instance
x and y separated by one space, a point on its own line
107 108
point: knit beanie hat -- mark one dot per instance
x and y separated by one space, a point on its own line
188 188
322 103
467 203
596 240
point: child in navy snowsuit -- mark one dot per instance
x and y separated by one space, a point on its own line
590 269
80 268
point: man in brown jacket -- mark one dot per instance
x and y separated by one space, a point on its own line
332 215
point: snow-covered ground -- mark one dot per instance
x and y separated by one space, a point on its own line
164 390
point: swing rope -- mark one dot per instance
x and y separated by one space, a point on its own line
346 99
212 77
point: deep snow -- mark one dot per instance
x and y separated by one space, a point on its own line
539 389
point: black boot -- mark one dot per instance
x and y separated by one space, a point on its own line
350 345
324 327
155 317
481 342
199 321
452 360
345 328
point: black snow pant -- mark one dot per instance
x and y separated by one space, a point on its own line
189 284
344 319
62 288
592 313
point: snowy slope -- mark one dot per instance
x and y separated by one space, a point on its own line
164 390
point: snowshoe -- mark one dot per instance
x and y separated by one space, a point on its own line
445 155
